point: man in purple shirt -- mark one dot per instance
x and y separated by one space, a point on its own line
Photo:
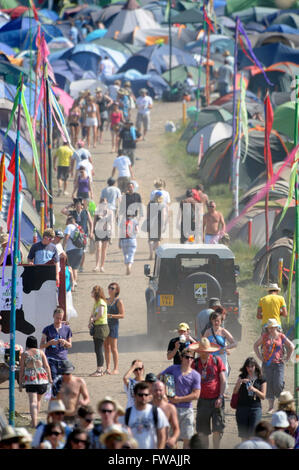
56 340
187 389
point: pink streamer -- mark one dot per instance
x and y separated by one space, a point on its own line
40 98
261 194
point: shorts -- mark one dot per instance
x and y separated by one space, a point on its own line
63 172
74 257
143 119
113 328
122 183
40 389
206 412
74 124
186 422
82 195
209 238
91 122
102 239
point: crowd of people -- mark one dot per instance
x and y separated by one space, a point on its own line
159 412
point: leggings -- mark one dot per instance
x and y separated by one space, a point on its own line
98 349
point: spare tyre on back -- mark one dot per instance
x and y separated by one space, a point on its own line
196 289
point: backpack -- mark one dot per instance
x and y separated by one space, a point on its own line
79 238
154 411
128 141
215 360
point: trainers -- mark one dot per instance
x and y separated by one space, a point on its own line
65 193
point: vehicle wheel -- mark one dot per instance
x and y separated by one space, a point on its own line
196 290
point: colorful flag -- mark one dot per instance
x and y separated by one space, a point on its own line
11 168
2 178
207 20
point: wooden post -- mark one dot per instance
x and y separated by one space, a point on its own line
280 268
184 112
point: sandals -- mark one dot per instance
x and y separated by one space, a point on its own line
97 373
107 372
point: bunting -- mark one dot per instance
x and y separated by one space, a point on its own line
2 178
268 127
207 20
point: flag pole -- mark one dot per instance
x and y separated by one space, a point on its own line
16 258
234 131
49 143
237 164
296 371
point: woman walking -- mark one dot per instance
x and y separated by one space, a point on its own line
34 375
269 348
74 122
116 117
116 311
251 389
98 318
103 220
128 244
93 119
82 185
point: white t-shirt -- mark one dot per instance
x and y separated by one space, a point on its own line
142 104
143 427
78 154
88 167
122 164
107 67
69 230
111 193
166 196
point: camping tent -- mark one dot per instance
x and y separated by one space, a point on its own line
210 134
130 17
280 74
203 117
271 54
284 119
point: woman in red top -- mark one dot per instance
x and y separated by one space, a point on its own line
269 348
116 117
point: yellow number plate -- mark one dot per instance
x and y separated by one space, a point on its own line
166 300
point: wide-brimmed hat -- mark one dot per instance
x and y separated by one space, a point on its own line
273 286
272 323
114 430
226 53
98 89
67 367
183 326
8 433
280 420
3 238
204 345
23 434
56 405
285 398
214 302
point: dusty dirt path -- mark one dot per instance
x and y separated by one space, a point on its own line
133 342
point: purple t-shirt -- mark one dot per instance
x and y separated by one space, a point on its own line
184 384
57 351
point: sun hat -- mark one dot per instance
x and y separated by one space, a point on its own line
98 89
56 405
285 398
143 90
23 434
114 430
226 53
214 302
67 367
273 286
204 345
150 377
183 326
8 433
272 323
280 420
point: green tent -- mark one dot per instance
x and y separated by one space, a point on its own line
252 13
179 74
11 73
284 119
6 4
193 15
268 6
203 117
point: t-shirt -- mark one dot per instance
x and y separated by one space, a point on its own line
103 319
87 166
128 137
272 349
271 305
202 320
81 218
111 193
225 73
210 376
141 423
57 351
171 346
143 103
131 201
166 196
184 384
254 443
249 399
42 254
122 163
70 230
107 67
77 156
64 155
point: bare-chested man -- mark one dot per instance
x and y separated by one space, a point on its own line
72 391
160 400
213 223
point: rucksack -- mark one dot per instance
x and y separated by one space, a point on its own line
154 411
128 141
79 237
215 360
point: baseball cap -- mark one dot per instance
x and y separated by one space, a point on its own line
183 326
150 377
59 233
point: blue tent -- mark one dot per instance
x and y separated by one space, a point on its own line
154 83
21 31
88 56
95 34
6 49
270 54
156 58
281 28
8 145
66 71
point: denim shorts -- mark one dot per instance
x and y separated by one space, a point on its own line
247 419
113 328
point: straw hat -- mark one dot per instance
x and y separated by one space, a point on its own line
114 430
8 433
285 398
272 323
273 286
204 345
226 53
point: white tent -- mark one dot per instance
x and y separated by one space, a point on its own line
211 133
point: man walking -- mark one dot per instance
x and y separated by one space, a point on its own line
187 389
71 390
213 224
63 155
179 343
113 195
210 405
128 136
225 75
123 165
147 422
144 104
160 400
45 252
272 305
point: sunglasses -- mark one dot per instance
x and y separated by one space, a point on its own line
143 394
105 410
78 441
138 369
55 433
111 288
188 357
88 420
59 413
